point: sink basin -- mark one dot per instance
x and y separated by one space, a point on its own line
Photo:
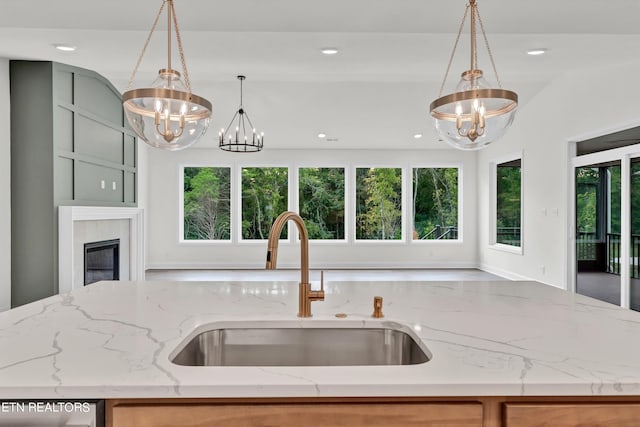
308 344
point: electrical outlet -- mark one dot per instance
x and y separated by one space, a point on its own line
102 184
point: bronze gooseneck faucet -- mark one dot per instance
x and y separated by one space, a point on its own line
305 294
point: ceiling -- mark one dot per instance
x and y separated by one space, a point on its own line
374 93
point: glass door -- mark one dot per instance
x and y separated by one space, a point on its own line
598 227
634 241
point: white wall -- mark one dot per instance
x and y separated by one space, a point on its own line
577 106
143 193
5 187
165 251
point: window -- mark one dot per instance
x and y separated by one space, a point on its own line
379 203
435 203
207 195
321 201
509 203
264 197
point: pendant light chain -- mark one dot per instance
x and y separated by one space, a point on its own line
474 49
455 46
187 81
486 42
146 44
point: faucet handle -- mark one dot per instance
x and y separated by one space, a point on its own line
377 308
318 295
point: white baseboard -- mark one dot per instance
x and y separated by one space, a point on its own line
332 265
514 276
504 273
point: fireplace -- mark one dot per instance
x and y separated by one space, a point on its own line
81 224
101 261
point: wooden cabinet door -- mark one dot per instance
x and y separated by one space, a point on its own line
571 415
290 415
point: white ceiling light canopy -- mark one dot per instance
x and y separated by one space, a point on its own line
64 47
167 115
330 50
537 51
475 114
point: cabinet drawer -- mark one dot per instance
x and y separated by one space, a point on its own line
97 183
297 414
571 415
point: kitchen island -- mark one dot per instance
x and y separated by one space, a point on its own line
491 343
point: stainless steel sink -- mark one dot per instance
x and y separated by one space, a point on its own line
351 344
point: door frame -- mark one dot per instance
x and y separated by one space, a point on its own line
624 155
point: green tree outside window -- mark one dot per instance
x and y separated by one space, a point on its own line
379 203
435 203
508 200
321 200
207 203
264 197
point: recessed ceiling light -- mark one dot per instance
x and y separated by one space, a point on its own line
535 52
64 47
329 51
322 135
417 136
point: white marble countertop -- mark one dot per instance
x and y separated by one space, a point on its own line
113 339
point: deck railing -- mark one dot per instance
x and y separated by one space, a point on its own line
586 250
586 246
508 235
441 233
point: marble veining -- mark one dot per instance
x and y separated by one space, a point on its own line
114 339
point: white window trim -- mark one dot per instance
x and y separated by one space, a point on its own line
293 202
181 239
403 204
493 167
410 221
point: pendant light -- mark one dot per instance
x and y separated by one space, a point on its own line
241 139
475 114
167 115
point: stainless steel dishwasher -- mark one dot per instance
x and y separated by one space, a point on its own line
51 413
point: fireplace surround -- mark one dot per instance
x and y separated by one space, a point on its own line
104 223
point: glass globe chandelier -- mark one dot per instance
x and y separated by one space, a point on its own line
475 114
241 141
167 115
